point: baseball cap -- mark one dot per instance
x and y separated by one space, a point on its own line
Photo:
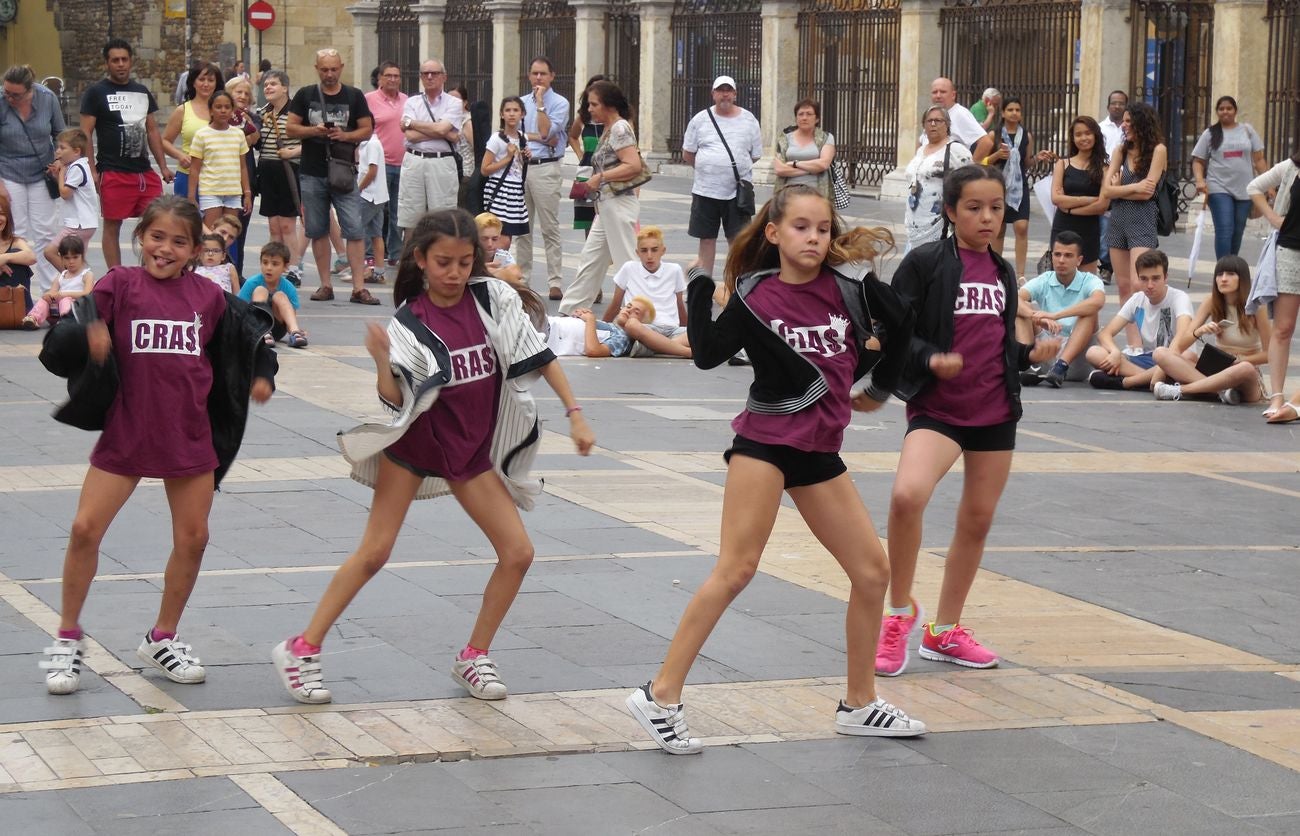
724 80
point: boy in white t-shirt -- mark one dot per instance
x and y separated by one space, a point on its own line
664 284
373 183
1161 313
79 200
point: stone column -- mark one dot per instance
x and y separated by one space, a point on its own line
655 106
780 68
1105 53
430 14
505 47
919 41
365 42
589 42
1240 70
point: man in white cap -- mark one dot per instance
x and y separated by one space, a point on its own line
722 143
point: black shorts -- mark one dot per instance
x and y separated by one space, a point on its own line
422 472
988 439
708 212
273 186
799 467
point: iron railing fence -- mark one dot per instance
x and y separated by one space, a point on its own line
848 63
1282 106
713 38
1024 48
546 27
467 34
399 40
623 50
1172 61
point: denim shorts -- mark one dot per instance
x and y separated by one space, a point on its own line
316 201
372 218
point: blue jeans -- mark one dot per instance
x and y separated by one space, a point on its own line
392 233
1229 215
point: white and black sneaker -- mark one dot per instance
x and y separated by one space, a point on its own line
300 675
666 725
63 665
879 719
172 657
479 676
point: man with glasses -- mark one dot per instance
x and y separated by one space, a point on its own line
386 106
117 114
546 119
323 115
431 124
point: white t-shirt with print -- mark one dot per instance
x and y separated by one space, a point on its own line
713 173
660 287
1158 323
82 211
497 146
371 153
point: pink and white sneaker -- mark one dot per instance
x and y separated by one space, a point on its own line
957 646
891 652
479 676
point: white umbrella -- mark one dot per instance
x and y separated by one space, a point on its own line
1043 191
1197 236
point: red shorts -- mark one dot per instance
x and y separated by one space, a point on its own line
125 195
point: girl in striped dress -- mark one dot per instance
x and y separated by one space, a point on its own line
505 164
454 367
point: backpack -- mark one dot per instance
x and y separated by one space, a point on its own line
471 190
1166 197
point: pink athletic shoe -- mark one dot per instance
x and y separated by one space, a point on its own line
957 646
891 652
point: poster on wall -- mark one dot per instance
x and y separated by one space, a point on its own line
174 8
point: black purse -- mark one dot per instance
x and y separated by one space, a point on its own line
744 188
51 182
341 159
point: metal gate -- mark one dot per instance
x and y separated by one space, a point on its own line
1024 48
546 27
1282 114
848 63
623 50
1171 67
399 40
467 32
713 38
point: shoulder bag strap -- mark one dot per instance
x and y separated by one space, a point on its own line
947 157
721 136
432 118
320 95
499 179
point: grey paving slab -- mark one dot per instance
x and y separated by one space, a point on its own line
598 810
1141 809
535 772
1209 690
839 753
837 818
1213 773
397 799
728 778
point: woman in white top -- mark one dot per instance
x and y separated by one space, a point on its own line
1226 157
1245 336
923 218
804 153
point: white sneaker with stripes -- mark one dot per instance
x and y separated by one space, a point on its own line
666 725
879 719
300 675
63 665
172 657
479 676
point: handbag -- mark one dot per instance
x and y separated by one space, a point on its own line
1213 360
340 159
839 187
622 187
13 306
51 182
1166 205
744 188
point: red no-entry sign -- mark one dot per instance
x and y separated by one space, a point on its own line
261 15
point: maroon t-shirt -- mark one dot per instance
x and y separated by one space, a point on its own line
158 425
977 396
814 321
454 437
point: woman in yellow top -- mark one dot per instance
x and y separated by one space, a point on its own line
186 120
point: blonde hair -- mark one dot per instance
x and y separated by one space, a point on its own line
647 304
650 231
237 80
486 220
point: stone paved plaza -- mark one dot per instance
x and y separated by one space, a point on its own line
1140 584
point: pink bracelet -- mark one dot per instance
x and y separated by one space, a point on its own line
571 410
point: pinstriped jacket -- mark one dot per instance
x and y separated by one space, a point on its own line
421 363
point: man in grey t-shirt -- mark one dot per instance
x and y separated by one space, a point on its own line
713 194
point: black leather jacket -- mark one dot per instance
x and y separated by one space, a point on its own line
236 351
928 281
784 380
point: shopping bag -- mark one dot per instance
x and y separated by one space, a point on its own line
1043 191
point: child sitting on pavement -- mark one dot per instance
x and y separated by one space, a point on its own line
270 290
664 285
500 263
75 281
1163 315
